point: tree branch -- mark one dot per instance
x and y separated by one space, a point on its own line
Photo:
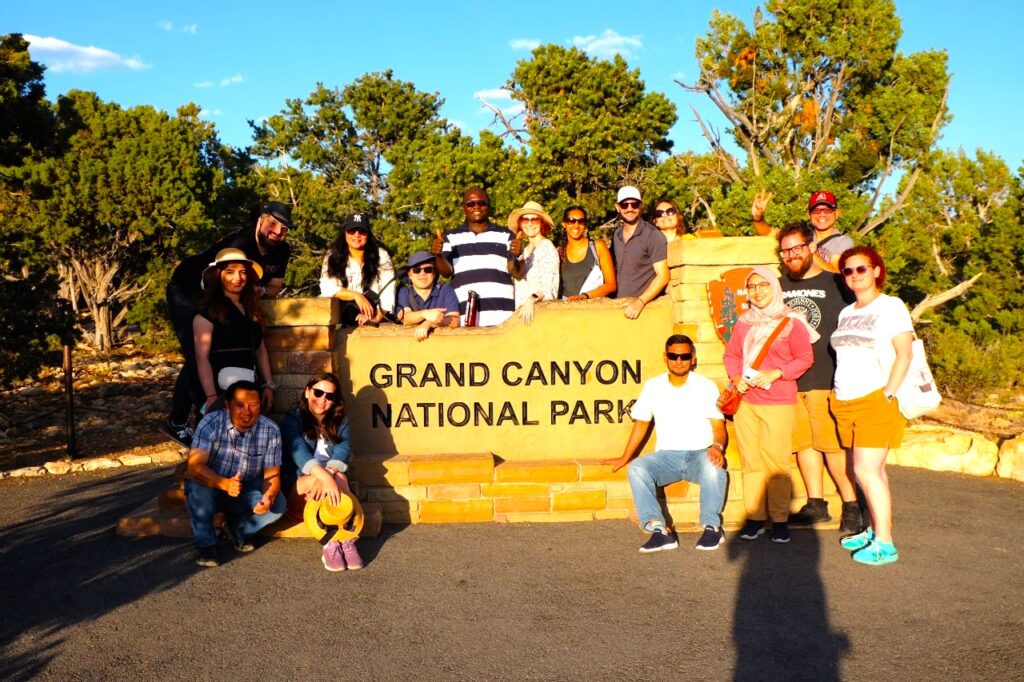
500 116
716 146
933 300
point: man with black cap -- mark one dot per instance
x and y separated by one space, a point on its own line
264 245
823 212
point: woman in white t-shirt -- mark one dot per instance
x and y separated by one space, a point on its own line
873 346
358 270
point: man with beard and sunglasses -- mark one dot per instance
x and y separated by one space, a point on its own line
691 447
819 295
265 244
640 252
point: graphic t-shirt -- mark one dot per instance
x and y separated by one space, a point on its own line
820 299
863 344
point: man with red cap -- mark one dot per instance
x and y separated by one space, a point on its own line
822 212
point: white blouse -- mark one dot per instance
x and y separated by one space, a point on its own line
383 285
541 276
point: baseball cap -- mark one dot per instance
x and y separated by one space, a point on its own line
820 198
282 212
356 221
627 192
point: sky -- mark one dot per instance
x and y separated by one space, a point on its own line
241 61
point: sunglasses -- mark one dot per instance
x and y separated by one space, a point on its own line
476 204
793 250
665 212
320 393
822 210
860 270
575 221
428 269
355 230
679 356
530 219
629 203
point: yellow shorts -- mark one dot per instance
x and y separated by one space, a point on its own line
870 421
815 425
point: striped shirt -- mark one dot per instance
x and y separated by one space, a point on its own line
232 451
480 264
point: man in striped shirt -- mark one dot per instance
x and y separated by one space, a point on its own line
482 257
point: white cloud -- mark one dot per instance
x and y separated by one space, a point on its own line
524 44
60 55
204 84
210 113
493 93
165 25
190 28
232 80
499 98
608 44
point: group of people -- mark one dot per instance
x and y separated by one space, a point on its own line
818 358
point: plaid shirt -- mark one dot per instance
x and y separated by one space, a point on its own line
232 451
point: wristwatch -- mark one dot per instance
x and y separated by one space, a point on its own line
270 384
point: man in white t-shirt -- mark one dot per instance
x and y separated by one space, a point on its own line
690 446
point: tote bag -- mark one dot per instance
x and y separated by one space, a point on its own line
918 394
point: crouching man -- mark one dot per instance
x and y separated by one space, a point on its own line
690 446
234 467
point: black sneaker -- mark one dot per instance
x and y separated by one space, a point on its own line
240 545
780 532
660 541
814 512
208 557
711 539
179 433
853 519
752 530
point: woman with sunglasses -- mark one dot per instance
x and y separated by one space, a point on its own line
669 219
315 437
539 259
358 270
766 416
587 271
227 332
873 342
427 303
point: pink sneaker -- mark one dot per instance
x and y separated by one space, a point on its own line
352 558
332 558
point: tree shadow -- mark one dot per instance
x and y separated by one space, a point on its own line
781 625
65 566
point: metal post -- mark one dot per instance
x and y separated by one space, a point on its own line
69 406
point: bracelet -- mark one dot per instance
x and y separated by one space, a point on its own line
719 446
270 384
211 395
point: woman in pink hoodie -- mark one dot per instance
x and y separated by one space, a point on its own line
764 421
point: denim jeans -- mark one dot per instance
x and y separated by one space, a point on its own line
203 502
663 467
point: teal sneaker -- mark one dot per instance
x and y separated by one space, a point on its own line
877 553
859 541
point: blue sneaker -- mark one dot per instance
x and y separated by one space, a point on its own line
659 541
752 530
859 541
711 539
780 532
877 553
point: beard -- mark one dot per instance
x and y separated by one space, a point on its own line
799 271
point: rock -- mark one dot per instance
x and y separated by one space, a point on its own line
135 460
27 471
943 449
98 463
60 466
1011 459
168 456
30 391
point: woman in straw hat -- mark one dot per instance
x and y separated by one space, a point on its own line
315 438
539 258
227 332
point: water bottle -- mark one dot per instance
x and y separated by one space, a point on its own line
472 308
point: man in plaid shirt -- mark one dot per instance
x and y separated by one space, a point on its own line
234 466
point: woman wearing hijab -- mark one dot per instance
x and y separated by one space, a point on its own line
765 418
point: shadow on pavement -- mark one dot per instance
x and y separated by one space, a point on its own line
66 566
781 625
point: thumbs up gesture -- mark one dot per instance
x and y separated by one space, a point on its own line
438 243
234 487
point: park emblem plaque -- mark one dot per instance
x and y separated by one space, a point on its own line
728 300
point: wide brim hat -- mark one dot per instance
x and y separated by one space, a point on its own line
233 255
530 207
334 522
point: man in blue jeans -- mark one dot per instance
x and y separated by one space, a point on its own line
690 446
234 466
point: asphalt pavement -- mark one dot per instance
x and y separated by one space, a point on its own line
516 602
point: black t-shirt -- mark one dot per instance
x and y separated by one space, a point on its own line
189 273
234 343
820 299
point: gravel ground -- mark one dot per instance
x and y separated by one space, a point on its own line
517 602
